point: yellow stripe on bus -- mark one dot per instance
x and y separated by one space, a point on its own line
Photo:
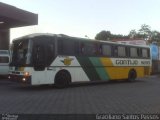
106 61
122 72
116 72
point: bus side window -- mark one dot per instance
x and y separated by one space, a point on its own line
81 48
106 50
127 51
76 48
60 46
145 53
39 52
121 51
148 52
66 46
88 49
100 49
39 57
50 55
115 51
133 52
96 49
139 52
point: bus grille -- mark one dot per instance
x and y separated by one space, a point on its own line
16 72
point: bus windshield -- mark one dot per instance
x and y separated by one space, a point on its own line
21 55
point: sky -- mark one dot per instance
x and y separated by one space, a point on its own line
82 18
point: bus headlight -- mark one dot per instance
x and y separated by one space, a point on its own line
23 79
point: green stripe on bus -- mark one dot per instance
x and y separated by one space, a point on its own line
99 68
88 68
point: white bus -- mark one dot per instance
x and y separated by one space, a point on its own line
4 62
59 59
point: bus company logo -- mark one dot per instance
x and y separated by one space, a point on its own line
67 61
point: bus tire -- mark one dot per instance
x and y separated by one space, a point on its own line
62 79
132 75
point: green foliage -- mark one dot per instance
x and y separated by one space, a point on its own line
132 34
103 35
155 36
106 35
144 32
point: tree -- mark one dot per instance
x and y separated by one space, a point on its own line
145 31
132 34
119 36
106 35
103 35
155 36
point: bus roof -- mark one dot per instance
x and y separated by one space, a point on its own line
34 35
66 36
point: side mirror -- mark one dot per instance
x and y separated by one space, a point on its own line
39 58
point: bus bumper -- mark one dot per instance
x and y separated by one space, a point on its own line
20 79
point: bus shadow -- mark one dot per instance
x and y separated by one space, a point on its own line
99 83
34 88
74 85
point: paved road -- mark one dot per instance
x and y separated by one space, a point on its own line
142 96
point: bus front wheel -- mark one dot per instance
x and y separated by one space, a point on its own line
62 79
132 75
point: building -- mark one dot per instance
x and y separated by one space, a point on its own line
11 17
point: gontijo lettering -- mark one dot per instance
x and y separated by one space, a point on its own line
127 62
145 62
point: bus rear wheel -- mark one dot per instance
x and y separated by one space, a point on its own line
132 75
62 79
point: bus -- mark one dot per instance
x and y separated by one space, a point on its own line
4 62
39 59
